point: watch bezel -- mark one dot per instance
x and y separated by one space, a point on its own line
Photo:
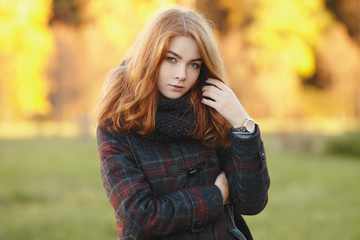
250 128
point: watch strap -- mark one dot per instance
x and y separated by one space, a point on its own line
244 127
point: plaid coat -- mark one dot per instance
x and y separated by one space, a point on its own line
167 191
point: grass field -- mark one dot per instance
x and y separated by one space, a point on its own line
51 189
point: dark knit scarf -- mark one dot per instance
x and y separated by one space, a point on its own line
174 119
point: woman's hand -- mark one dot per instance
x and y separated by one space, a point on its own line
222 183
222 98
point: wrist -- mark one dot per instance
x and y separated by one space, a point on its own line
247 126
240 119
222 194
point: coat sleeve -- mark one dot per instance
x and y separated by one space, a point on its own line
141 214
246 169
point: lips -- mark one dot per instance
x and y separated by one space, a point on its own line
176 87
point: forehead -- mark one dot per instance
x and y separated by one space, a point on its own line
185 46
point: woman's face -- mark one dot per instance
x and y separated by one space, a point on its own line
180 68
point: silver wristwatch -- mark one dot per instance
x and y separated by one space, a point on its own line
248 126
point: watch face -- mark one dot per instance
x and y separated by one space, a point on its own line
250 125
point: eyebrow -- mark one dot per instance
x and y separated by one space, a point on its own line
178 56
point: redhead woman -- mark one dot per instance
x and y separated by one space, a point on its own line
180 157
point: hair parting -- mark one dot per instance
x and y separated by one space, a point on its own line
184 22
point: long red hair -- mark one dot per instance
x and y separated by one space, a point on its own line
128 100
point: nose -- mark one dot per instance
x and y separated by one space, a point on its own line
180 73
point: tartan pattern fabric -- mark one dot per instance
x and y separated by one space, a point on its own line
166 190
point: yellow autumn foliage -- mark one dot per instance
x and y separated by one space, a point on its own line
25 45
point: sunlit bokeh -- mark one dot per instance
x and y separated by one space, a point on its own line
25 47
293 65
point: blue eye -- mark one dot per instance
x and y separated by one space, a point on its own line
194 65
171 59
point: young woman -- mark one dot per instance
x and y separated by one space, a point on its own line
180 157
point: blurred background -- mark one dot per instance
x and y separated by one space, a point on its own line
294 65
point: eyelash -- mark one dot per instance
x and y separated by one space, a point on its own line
173 60
196 65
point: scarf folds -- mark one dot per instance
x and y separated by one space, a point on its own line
174 119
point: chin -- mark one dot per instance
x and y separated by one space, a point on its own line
173 95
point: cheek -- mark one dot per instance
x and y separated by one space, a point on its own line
162 75
193 77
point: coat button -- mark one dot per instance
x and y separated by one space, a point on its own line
173 170
262 155
263 158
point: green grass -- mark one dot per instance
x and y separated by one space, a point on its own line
312 196
51 189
